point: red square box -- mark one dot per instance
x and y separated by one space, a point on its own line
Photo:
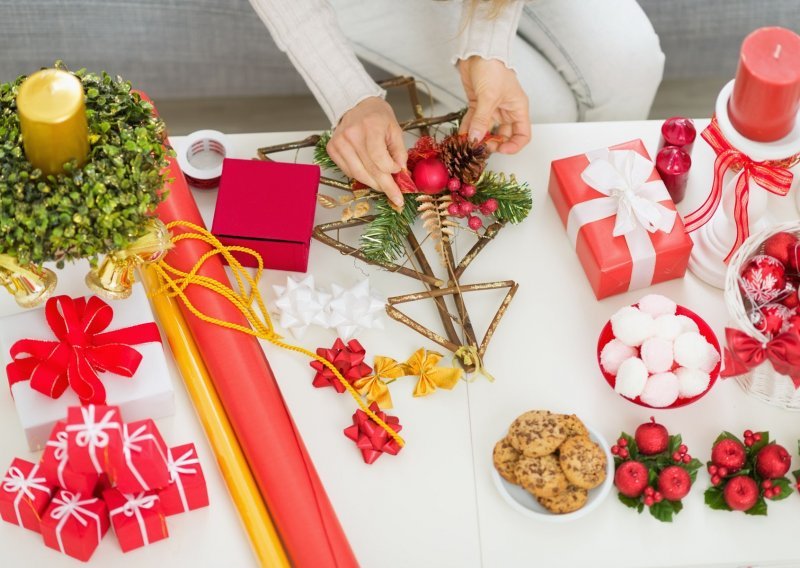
607 259
24 495
93 433
187 490
55 466
137 518
75 524
268 207
141 465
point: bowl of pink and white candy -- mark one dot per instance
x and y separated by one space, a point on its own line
658 354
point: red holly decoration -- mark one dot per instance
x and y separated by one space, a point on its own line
371 439
430 176
348 360
772 319
778 246
763 279
792 299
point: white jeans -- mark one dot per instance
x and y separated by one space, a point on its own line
577 59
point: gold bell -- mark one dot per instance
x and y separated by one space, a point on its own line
114 276
30 285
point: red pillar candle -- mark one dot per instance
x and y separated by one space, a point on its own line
766 93
673 164
678 131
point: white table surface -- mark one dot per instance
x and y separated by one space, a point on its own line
434 505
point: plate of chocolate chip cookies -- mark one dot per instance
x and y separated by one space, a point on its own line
552 467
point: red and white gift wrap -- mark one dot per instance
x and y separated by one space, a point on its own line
55 466
74 524
24 495
93 433
137 518
141 465
187 489
620 218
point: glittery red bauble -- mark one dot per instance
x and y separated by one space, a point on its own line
430 176
794 258
778 245
651 438
772 319
793 324
763 279
792 299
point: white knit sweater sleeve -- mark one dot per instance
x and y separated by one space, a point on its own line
308 32
486 34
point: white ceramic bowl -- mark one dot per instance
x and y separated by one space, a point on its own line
525 503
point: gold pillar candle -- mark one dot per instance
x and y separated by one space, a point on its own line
52 117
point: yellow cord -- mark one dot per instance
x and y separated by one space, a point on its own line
174 283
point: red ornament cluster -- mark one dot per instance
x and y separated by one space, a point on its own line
348 360
98 471
371 439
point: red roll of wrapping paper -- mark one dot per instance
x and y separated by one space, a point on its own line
287 479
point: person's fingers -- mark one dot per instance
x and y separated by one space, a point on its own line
503 131
481 120
464 126
355 165
397 146
336 156
378 153
391 189
520 136
383 177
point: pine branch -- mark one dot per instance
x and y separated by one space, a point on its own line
383 239
321 156
514 200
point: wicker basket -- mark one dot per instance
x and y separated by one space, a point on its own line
763 382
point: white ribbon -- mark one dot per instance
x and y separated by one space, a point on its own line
16 482
92 434
70 505
131 443
60 454
178 467
621 175
133 508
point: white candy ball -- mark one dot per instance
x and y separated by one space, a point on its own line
693 351
688 324
613 354
631 378
632 326
668 327
657 305
691 382
657 355
661 390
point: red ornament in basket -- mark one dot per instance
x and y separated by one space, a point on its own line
658 354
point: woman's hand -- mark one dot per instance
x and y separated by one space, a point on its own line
368 145
494 96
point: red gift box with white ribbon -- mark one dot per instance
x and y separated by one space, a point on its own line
55 466
141 465
137 518
75 524
187 489
24 495
93 433
620 218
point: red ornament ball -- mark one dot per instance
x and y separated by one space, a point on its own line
792 298
430 176
453 184
475 223
773 461
466 208
468 190
794 258
793 324
651 437
453 209
674 483
772 319
778 246
490 205
740 493
631 478
763 279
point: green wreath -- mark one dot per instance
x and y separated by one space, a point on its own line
98 208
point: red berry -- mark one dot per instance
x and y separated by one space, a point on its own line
687 458
723 471
631 478
748 433
729 453
466 208
490 205
748 442
622 442
651 438
648 501
676 457
475 223
776 490
757 436
649 490
615 449
712 469
715 479
766 484
658 497
468 190
683 449
773 461
674 483
454 184
454 210
623 453
741 493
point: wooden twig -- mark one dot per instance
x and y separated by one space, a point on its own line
483 240
304 143
464 288
397 315
463 314
496 319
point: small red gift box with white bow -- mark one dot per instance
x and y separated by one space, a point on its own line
187 488
141 465
55 466
137 518
24 494
74 524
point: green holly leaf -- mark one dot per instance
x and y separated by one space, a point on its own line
756 447
726 436
662 511
786 488
714 499
633 503
760 508
674 443
796 474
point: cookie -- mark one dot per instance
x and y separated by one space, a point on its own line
537 433
505 460
583 462
567 501
541 476
573 426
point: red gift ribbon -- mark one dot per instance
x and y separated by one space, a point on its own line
772 175
744 353
371 439
81 350
348 360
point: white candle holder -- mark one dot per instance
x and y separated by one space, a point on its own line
714 240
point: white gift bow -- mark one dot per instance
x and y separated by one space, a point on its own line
16 482
621 175
60 454
131 443
92 434
72 506
133 508
178 467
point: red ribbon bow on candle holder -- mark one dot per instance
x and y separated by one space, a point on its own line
772 175
744 353
80 352
348 360
370 438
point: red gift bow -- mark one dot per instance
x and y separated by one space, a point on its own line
744 353
370 438
80 352
348 360
772 175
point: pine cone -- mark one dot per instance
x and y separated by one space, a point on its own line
465 160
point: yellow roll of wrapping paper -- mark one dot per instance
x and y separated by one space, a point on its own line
241 485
